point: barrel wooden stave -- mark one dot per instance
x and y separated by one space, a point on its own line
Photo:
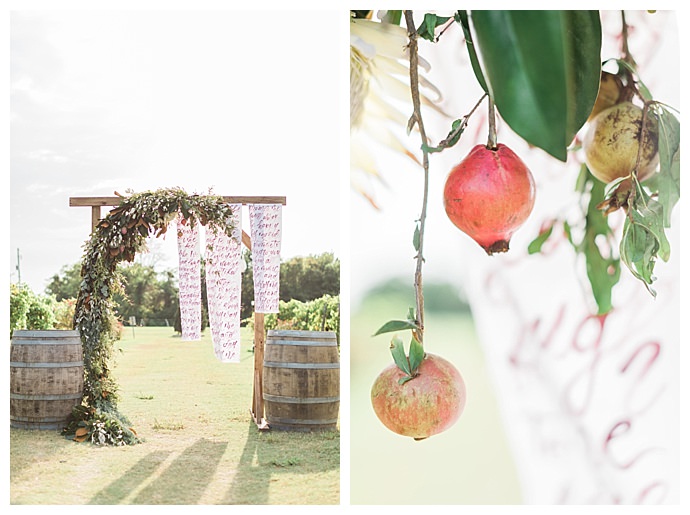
46 378
301 380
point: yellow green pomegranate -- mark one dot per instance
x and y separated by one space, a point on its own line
609 91
612 140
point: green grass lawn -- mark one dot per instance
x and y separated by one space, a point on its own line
468 464
200 443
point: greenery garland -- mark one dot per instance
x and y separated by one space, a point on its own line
118 237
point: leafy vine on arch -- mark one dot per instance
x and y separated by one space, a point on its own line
116 238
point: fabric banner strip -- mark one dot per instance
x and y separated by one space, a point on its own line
224 287
190 279
266 233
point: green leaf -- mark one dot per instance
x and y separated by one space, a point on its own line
461 17
411 317
416 355
456 130
398 353
392 17
644 238
415 237
668 178
603 272
637 249
427 30
404 379
543 70
567 230
649 213
535 246
396 325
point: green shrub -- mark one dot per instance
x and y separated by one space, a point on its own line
20 300
41 312
64 314
322 314
30 311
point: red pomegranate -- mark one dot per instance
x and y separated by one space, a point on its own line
426 405
489 195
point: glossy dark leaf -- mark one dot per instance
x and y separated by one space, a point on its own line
542 70
462 18
427 30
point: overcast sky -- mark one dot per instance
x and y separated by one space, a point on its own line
382 241
245 103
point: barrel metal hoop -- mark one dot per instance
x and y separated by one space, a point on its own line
46 397
65 364
321 422
45 341
277 364
310 343
40 420
300 400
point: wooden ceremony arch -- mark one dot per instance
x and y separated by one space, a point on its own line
257 407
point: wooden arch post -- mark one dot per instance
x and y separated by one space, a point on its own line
257 408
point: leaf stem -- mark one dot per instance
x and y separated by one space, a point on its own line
417 118
492 143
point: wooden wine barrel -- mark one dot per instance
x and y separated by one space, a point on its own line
301 380
46 378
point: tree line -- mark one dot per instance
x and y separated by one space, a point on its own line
151 297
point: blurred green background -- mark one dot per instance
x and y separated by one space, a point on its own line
470 463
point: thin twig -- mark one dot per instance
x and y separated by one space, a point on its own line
625 50
449 140
445 27
417 117
640 149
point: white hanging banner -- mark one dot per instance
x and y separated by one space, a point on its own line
591 403
266 232
190 279
224 287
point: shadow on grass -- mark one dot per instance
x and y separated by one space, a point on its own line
182 482
119 489
187 477
271 453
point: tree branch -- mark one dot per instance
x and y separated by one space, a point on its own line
417 119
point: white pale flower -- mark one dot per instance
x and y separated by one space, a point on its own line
379 91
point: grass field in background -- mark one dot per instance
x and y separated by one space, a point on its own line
468 464
200 443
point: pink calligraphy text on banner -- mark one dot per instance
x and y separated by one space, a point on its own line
266 232
190 279
224 287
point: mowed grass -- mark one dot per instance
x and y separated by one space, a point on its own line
469 464
200 443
